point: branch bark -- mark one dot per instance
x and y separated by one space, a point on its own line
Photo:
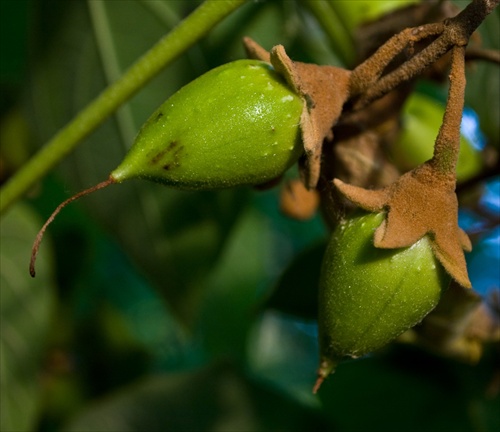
452 32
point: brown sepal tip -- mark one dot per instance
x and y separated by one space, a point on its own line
323 90
325 369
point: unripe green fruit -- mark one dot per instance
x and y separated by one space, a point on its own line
422 117
369 296
237 124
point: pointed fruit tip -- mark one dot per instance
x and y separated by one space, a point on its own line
317 384
326 368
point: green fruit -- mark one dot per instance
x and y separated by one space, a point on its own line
237 124
369 296
421 118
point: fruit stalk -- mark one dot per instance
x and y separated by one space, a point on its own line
447 145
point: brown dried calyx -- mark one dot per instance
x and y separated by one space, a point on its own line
323 89
460 326
423 201
297 202
419 203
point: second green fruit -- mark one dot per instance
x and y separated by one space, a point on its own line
369 296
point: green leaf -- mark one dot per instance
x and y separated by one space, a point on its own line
13 47
283 351
296 292
173 236
25 312
354 14
235 286
215 398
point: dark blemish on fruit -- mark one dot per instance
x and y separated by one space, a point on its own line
158 156
158 117
176 150
170 148
171 165
172 145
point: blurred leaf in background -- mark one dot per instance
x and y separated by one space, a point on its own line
158 309
27 311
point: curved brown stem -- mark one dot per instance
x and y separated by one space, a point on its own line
39 237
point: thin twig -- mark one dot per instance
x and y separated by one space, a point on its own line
368 72
456 32
489 55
